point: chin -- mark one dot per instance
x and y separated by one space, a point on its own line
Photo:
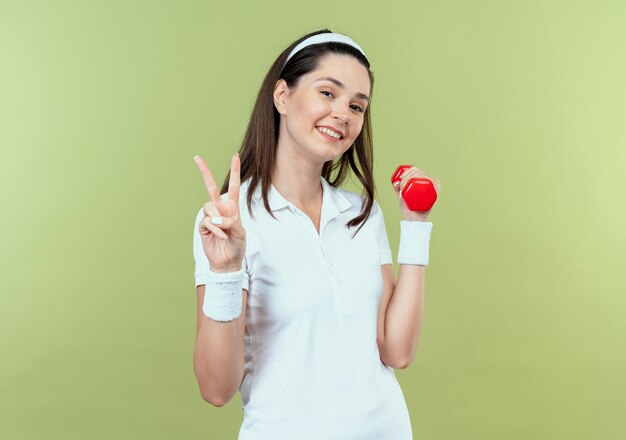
328 152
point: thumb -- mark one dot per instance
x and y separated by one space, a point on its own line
396 187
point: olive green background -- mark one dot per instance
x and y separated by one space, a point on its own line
518 107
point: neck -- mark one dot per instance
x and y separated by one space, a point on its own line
297 180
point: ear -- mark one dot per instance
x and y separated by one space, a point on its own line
281 92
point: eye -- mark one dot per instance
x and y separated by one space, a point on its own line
354 106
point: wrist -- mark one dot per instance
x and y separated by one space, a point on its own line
223 298
414 242
415 218
225 269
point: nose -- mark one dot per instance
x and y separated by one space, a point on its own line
341 111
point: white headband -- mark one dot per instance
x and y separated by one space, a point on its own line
325 38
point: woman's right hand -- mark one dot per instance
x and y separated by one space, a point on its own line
224 244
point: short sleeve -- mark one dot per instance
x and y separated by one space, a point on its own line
202 262
381 234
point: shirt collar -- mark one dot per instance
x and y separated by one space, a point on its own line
332 198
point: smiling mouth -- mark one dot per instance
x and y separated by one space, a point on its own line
325 132
328 137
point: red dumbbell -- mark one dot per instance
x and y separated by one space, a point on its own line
418 193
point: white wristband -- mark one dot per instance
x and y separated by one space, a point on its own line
223 296
414 242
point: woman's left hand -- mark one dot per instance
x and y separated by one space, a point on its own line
407 214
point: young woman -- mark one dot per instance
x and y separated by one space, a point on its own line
298 306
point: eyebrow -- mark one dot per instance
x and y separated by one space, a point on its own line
341 86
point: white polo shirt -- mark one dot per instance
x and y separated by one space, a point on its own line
312 366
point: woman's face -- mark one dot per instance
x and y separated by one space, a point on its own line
332 97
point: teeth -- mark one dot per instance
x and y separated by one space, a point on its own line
329 132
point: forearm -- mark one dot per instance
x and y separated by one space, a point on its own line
403 319
218 359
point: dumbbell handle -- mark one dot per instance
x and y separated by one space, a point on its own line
418 193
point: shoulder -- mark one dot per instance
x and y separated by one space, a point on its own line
353 198
357 201
200 215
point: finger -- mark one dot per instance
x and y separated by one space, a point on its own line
438 186
413 173
406 176
235 179
414 168
222 223
211 210
209 182
207 224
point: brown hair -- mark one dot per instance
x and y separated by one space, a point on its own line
258 149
